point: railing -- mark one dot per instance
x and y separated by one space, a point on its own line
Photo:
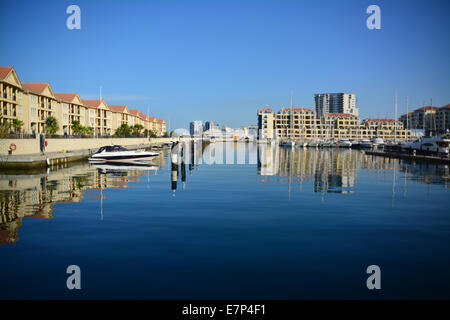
20 136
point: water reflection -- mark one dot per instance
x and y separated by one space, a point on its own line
328 171
33 194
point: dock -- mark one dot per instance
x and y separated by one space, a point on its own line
410 157
50 159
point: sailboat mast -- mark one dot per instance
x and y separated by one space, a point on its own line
292 118
395 117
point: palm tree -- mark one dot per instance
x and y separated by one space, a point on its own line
5 126
123 130
77 128
17 125
137 129
51 125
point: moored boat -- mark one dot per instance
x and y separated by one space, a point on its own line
117 153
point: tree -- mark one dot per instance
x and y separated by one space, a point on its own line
77 128
152 134
51 125
137 129
167 135
123 131
5 126
88 131
17 125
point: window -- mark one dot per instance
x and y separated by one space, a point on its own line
19 109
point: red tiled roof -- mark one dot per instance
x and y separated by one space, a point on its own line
118 108
161 120
427 108
265 109
4 71
296 110
151 118
66 96
445 107
93 103
380 120
134 111
35 87
346 115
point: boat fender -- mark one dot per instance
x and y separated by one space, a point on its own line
12 147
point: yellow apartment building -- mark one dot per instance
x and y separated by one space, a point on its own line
72 109
120 116
302 124
42 104
99 117
11 99
33 103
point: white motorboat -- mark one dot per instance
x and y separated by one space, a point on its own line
344 143
433 145
117 153
376 141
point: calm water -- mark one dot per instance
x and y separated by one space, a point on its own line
274 224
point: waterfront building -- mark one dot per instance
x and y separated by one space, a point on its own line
33 103
72 109
422 118
265 123
296 123
303 124
387 129
100 117
161 127
11 99
42 103
335 103
120 115
196 128
443 118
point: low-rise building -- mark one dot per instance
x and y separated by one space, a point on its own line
72 109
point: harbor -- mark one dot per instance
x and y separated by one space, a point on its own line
317 204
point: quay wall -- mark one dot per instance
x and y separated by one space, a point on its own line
62 145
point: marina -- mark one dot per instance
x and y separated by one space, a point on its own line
197 225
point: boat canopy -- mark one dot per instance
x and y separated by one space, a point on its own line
114 148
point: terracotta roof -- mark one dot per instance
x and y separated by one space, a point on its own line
265 109
35 87
151 118
66 96
135 112
406 114
380 120
93 103
296 110
346 115
118 108
161 120
427 108
4 71
445 107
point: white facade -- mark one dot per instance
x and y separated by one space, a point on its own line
335 103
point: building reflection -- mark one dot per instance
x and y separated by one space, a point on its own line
336 170
33 194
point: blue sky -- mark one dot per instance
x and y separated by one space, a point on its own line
221 60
